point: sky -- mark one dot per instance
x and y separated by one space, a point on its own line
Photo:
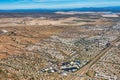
55 4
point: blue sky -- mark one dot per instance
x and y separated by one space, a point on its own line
52 4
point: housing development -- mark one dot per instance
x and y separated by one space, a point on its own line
60 46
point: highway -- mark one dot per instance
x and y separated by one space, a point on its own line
85 68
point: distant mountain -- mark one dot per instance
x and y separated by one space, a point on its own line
94 9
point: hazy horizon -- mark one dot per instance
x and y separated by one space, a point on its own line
55 4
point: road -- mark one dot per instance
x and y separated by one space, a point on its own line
84 69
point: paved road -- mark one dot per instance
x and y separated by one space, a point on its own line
84 69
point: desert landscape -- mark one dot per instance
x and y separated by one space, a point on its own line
60 46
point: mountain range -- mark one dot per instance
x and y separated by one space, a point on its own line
92 9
